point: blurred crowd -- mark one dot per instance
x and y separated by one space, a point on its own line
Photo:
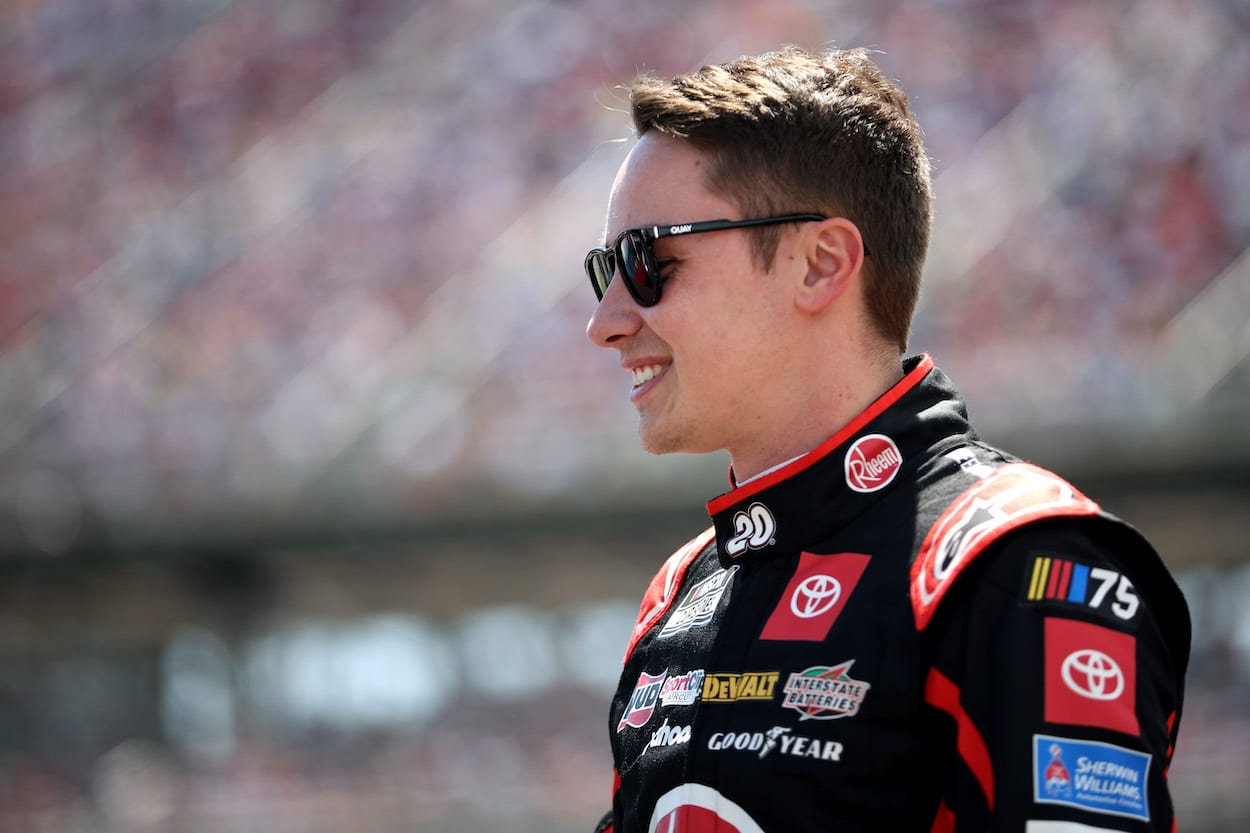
226 224
251 251
1147 155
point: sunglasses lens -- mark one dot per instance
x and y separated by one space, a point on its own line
637 269
599 270
633 257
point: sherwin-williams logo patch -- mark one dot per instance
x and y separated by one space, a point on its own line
730 688
825 692
700 603
872 462
642 701
1089 775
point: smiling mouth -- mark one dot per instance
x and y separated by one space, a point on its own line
645 374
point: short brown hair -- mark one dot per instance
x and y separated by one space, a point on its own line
795 131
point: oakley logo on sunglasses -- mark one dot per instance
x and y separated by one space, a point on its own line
631 254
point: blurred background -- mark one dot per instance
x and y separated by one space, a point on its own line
318 512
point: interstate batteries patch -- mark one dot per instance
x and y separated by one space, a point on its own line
825 692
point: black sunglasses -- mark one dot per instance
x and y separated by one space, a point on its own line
632 252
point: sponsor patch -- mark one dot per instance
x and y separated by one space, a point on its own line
659 594
1055 579
815 596
754 528
825 692
698 808
699 604
871 463
1091 676
668 736
780 739
730 688
683 689
1093 776
642 702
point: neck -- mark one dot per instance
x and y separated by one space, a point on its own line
819 412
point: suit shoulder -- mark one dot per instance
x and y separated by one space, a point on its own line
1006 498
660 593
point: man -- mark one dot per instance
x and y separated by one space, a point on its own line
890 625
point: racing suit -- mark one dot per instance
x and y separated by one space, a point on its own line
903 630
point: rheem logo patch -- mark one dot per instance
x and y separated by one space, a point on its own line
872 462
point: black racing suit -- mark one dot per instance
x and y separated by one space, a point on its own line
903 630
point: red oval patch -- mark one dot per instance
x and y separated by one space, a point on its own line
697 808
872 462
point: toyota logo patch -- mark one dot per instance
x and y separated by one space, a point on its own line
815 595
1093 674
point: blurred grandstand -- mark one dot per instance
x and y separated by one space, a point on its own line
317 510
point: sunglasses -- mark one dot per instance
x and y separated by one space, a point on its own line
631 252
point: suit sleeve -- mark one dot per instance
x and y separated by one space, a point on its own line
1059 667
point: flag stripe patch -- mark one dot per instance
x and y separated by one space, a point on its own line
1066 581
1040 566
1056 570
1080 580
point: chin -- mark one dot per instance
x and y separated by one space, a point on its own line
655 440
670 439
653 445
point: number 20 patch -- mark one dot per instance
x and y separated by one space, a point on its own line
1055 579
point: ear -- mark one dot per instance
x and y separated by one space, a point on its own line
835 255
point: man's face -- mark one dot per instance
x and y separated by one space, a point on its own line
702 361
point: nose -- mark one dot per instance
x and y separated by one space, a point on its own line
616 317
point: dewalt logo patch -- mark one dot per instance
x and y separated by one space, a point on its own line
730 688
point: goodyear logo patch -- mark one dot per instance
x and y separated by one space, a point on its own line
730 688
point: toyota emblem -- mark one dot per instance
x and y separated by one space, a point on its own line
1093 674
815 595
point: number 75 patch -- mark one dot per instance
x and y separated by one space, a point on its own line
1055 579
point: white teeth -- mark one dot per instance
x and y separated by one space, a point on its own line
642 375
